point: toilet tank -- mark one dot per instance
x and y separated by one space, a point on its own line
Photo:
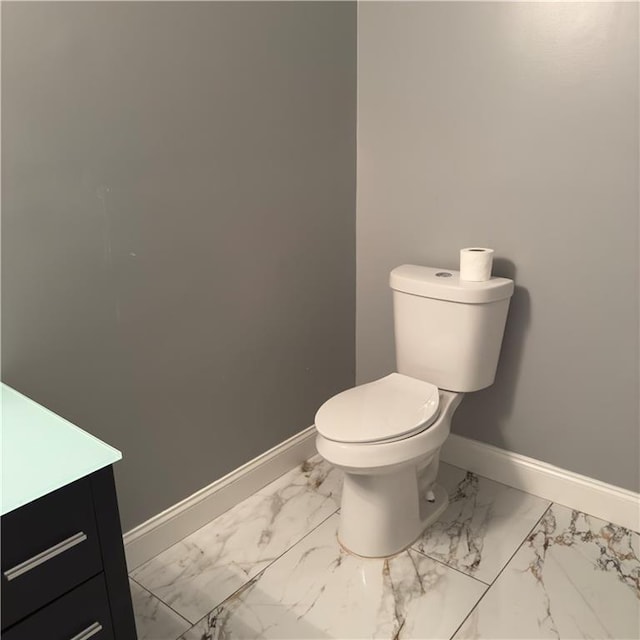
448 331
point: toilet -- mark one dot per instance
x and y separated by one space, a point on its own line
386 435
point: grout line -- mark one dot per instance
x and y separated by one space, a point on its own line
262 571
506 564
244 584
232 595
426 555
254 578
538 521
153 595
488 584
333 513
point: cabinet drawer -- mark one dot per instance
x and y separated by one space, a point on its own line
81 614
48 547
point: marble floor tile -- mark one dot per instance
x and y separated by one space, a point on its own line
198 573
317 590
483 525
154 620
575 576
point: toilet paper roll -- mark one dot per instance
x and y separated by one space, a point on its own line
475 264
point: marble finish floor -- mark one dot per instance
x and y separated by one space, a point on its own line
500 563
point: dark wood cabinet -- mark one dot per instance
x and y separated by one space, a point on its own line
81 614
64 575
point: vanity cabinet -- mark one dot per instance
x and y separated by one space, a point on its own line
63 567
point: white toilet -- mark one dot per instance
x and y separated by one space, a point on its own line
386 435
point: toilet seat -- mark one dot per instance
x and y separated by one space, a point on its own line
392 408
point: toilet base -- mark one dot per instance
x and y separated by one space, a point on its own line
431 511
382 515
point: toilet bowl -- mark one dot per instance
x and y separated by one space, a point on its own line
389 495
386 435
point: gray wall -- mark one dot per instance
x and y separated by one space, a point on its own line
513 126
179 226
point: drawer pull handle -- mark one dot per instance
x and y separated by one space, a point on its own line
89 632
45 556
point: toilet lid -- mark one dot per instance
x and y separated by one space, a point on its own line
391 408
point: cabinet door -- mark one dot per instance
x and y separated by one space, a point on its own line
48 547
81 614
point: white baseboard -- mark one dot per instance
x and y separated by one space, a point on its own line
165 529
596 498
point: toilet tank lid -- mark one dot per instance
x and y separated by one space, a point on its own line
445 284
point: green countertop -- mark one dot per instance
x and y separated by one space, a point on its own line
42 452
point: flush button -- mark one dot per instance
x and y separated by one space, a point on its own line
443 274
